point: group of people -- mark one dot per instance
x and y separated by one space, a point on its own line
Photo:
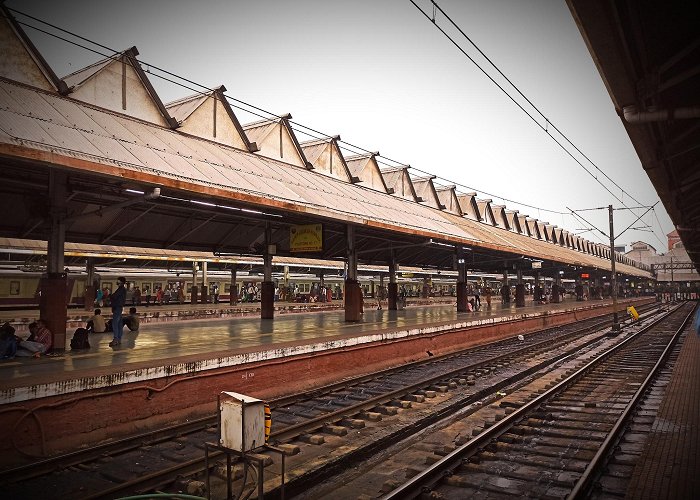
97 323
39 341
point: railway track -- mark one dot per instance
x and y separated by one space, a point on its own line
436 388
556 444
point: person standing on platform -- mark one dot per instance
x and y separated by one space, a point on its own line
487 293
477 299
98 297
147 293
118 300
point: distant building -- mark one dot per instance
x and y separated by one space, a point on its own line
673 238
682 271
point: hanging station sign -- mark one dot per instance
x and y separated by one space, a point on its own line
307 238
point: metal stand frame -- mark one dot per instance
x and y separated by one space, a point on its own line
257 463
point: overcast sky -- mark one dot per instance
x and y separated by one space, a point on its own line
383 77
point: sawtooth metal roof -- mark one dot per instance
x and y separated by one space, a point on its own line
99 139
45 127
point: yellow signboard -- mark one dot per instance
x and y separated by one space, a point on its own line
307 238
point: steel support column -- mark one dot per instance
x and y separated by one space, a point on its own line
556 295
204 294
353 292
393 290
267 292
520 290
233 297
90 286
195 288
505 289
53 304
462 297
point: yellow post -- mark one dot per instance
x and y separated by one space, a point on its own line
633 312
268 422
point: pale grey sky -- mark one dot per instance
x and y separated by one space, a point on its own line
383 77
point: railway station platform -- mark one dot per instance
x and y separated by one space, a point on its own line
670 461
173 370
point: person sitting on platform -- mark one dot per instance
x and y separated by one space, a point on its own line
8 341
39 341
132 320
96 324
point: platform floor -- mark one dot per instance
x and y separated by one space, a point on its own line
158 343
669 468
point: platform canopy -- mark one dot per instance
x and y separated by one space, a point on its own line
648 55
128 180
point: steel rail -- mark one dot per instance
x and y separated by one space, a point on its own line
367 404
428 478
126 444
162 478
590 473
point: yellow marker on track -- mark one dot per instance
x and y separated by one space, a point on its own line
633 312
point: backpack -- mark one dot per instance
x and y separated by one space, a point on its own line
80 339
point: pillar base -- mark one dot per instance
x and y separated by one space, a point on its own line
353 301
461 297
194 295
267 300
204 296
233 297
520 295
393 294
53 306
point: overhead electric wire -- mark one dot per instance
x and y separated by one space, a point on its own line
522 108
547 121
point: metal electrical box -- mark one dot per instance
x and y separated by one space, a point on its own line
242 422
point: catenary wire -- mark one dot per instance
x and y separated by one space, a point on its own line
547 122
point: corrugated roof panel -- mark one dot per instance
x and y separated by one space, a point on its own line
111 149
25 128
111 124
313 151
78 77
74 116
139 144
71 138
184 107
259 130
29 103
